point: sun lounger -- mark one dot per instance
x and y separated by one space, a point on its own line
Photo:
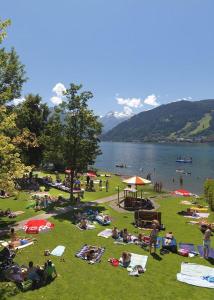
197 275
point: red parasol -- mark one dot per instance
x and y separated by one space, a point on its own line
184 193
36 226
91 174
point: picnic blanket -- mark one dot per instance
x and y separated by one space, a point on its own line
197 275
138 259
58 251
85 248
201 251
186 246
89 227
105 233
120 241
198 216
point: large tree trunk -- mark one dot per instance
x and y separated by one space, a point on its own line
72 185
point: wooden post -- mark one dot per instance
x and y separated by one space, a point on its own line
118 195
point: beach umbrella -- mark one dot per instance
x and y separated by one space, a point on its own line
136 180
36 226
184 193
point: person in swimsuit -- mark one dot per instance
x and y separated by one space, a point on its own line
153 238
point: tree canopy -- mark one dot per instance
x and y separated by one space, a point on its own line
77 136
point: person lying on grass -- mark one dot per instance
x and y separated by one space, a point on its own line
17 241
91 253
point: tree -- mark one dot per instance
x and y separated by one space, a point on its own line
32 115
11 166
11 79
3 27
52 140
12 76
79 144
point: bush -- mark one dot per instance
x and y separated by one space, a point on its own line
209 192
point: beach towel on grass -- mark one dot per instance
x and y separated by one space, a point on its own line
89 227
85 248
189 247
198 216
58 251
197 275
105 233
201 251
137 260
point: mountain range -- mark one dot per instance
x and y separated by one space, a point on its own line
112 119
176 121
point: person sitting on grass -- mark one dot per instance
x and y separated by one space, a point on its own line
139 240
153 238
83 223
115 233
126 259
168 238
125 235
32 274
49 271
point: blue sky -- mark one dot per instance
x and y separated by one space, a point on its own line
121 50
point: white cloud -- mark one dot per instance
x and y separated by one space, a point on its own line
151 100
59 90
18 101
56 100
129 102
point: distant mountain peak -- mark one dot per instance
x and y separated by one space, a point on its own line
113 118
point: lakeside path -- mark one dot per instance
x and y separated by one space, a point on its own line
60 211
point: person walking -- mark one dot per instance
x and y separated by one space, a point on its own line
107 185
100 185
207 242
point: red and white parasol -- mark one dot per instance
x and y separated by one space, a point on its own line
136 180
91 174
184 193
36 226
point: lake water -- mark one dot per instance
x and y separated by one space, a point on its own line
160 161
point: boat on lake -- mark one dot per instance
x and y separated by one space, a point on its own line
120 165
187 160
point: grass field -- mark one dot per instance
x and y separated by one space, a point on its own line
79 280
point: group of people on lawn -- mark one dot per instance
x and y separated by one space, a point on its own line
153 236
126 237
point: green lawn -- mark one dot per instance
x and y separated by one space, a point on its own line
79 280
